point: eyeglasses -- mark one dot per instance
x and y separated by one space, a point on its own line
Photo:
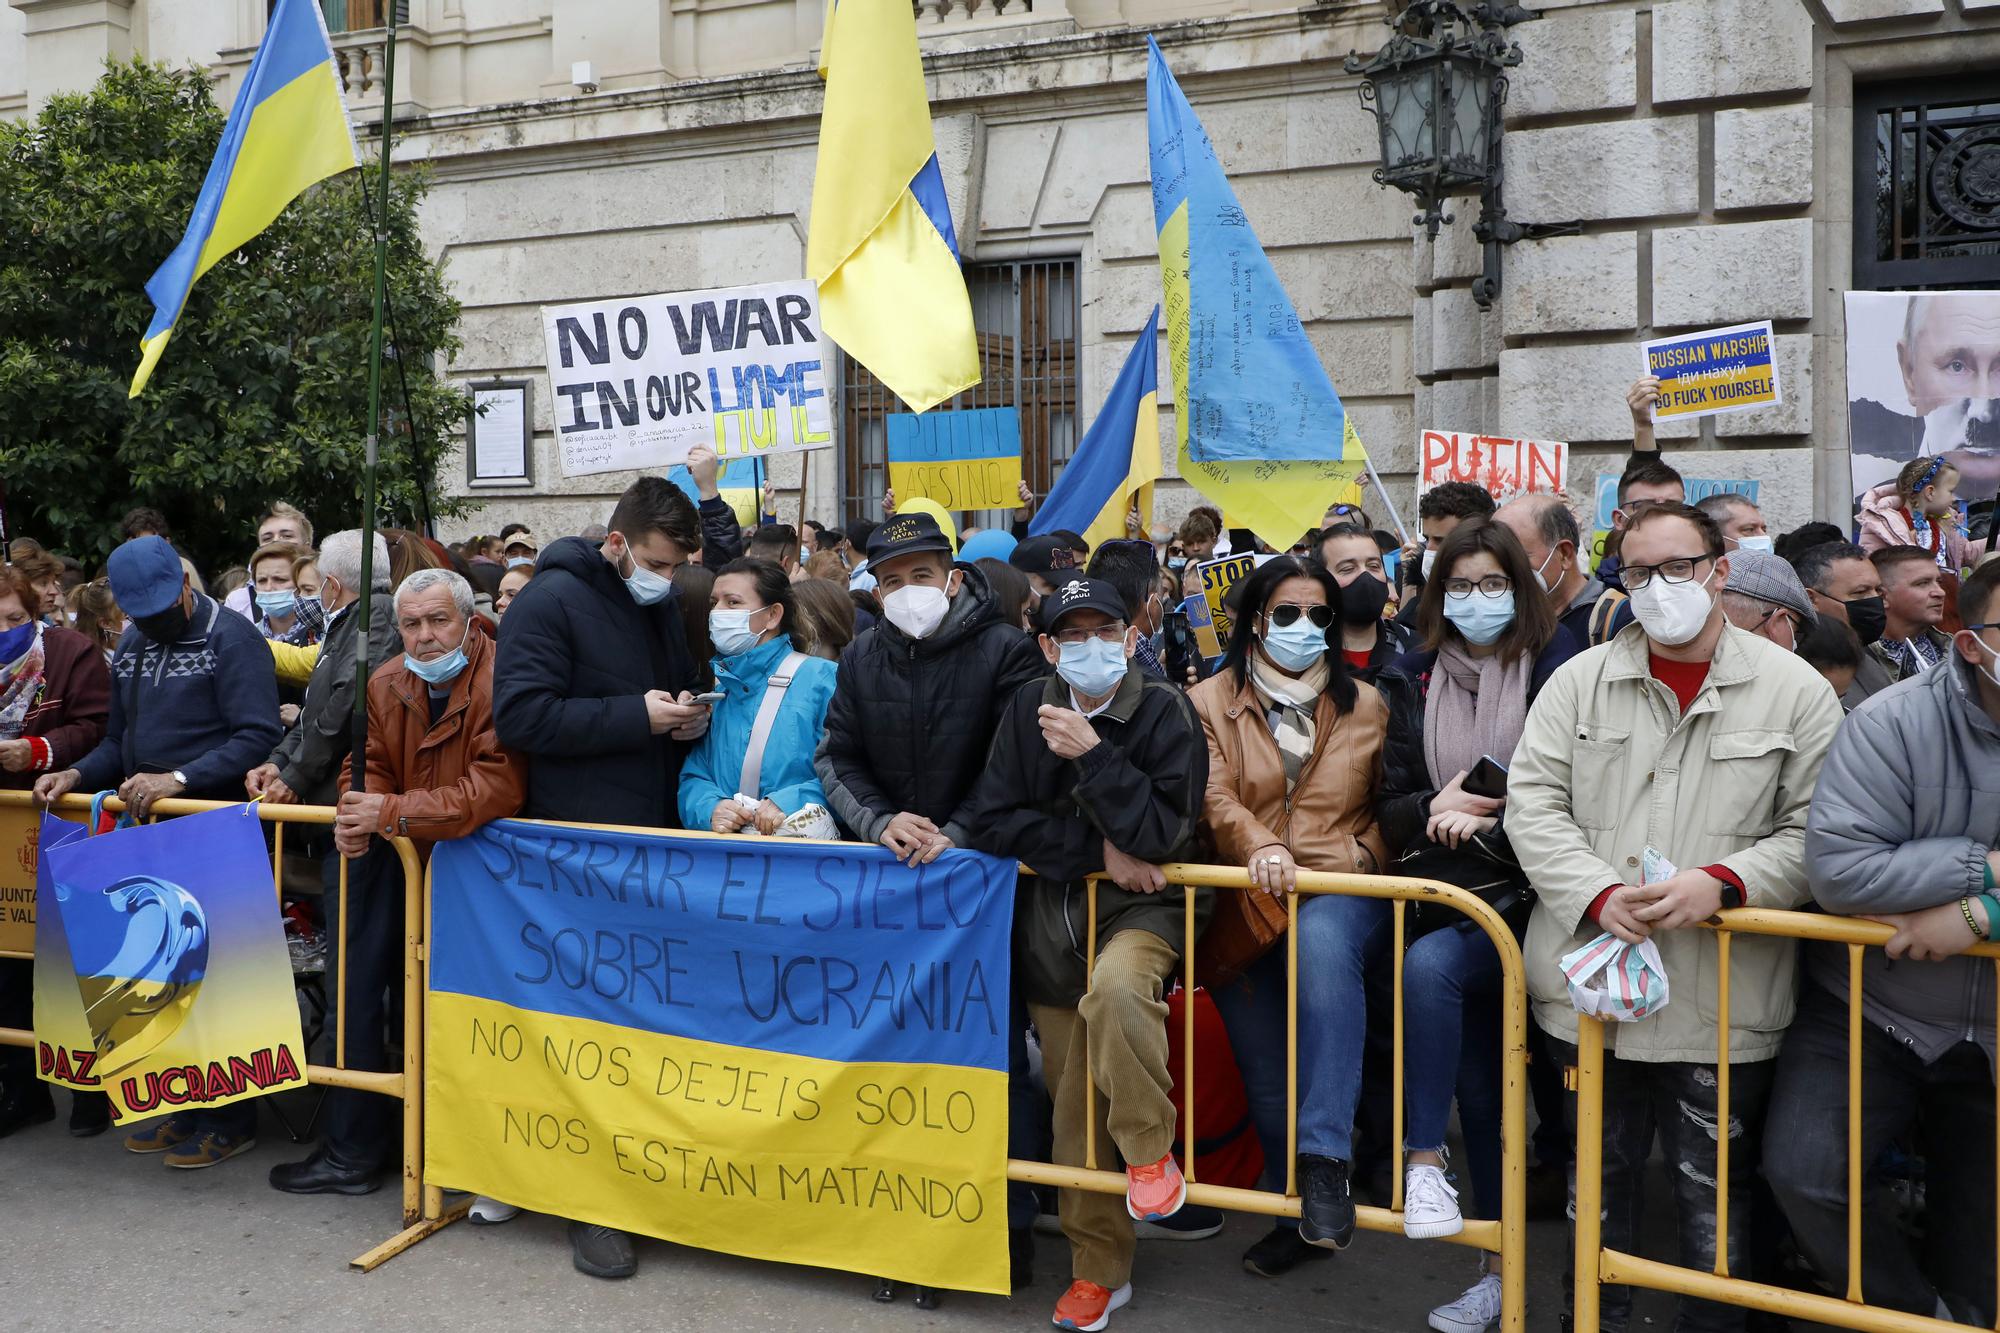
1287 614
1114 632
1673 571
1493 585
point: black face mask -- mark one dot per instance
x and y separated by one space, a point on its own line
1361 601
1867 617
166 627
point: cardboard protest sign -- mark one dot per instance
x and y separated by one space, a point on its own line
1698 489
737 484
1505 466
784 1049
963 460
1217 577
639 381
1714 371
179 958
1921 382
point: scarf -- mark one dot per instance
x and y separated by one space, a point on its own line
1477 707
1289 705
20 685
308 624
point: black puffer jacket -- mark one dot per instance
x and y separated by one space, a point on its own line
577 656
1141 787
912 719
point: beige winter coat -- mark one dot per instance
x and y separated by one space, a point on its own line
1607 767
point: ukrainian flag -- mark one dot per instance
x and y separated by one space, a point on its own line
881 245
1258 427
287 130
1118 460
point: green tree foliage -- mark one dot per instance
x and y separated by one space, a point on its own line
263 391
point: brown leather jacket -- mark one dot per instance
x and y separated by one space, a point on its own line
1330 822
442 779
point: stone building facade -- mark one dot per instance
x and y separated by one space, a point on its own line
1720 157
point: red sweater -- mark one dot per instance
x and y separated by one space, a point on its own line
68 720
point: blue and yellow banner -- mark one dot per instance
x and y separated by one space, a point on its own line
739 482
1118 460
1258 427
784 1050
64 1054
178 957
1714 371
967 459
287 130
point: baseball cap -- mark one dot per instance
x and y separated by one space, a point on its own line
523 538
1081 594
1764 576
1050 557
906 534
146 576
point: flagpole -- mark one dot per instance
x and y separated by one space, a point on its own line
359 763
1383 491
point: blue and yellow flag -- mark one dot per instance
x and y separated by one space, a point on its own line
881 245
1258 426
1118 461
777 1048
287 130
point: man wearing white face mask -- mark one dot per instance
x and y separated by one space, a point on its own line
1742 523
918 695
1549 534
1098 769
1691 737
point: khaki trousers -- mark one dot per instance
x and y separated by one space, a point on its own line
1122 1023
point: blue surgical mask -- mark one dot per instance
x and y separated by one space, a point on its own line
279 603
1296 646
1481 618
645 586
1092 668
730 631
516 561
439 669
1177 563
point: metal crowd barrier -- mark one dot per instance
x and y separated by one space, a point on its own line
1596 1266
1508 1237
423 1205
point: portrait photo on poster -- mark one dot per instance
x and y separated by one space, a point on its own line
1923 379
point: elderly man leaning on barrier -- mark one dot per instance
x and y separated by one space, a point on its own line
194 703
1689 738
1902 830
436 770
1098 768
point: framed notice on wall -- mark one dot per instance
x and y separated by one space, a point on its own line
499 436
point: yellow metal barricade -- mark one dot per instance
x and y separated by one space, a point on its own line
1508 1236
1597 1266
423 1210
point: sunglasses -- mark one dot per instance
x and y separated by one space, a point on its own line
1321 616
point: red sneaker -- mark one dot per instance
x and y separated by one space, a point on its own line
1087 1306
1156 1191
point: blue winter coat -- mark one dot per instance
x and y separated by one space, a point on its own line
715 767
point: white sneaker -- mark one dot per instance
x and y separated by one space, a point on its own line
1430 1204
1474 1312
487 1212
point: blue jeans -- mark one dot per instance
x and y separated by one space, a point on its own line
1339 940
1451 1013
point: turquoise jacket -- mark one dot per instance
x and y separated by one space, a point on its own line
715 766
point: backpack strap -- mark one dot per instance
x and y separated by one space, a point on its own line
767 715
1602 613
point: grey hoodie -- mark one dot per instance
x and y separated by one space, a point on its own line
1906 810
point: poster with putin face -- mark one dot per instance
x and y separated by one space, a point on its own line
1923 379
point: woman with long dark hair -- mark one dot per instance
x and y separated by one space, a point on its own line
1294 755
1456 708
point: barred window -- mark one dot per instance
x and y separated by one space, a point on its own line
1927 185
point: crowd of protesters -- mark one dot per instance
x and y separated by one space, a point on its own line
1760 720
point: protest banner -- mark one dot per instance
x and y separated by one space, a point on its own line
737 483
178 957
19 831
784 1050
963 460
639 381
1914 378
1505 466
1698 489
1206 615
64 1054
1714 371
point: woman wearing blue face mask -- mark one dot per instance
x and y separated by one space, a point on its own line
1490 641
276 596
1294 751
774 700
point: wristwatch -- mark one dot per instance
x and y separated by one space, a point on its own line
1731 895
179 777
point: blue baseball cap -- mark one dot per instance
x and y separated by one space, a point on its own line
146 576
